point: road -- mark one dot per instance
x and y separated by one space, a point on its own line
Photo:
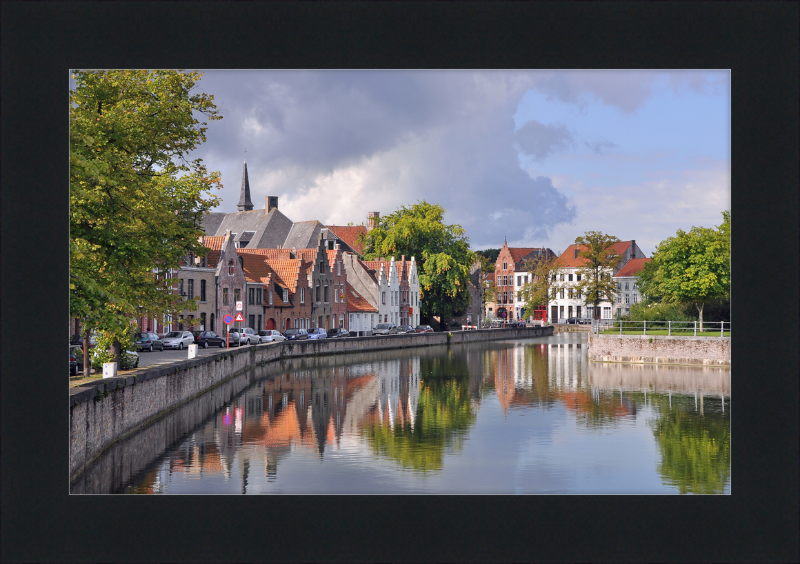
171 355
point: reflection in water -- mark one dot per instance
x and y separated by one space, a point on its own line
519 416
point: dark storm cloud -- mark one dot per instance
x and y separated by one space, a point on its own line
539 140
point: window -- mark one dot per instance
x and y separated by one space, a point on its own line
577 311
578 277
626 286
338 268
295 323
511 297
554 292
225 296
180 287
322 266
251 296
562 277
505 266
383 298
202 290
326 292
341 321
619 298
190 283
505 297
258 296
317 291
570 293
203 321
634 285
554 277
627 299
237 295
519 280
579 294
302 295
570 277
635 298
252 319
286 295
606 313
561 311
525 280
230 267
270 297
561 293
619 285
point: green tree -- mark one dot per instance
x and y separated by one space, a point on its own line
691 268
538 291
488 258
136 202
442 251
600 260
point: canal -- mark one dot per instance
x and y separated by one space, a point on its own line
529 416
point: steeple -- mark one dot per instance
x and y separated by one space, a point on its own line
244 198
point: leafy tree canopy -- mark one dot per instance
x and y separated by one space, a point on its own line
488 258
691 268
442 252
600 261
136 202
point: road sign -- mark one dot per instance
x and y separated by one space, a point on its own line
238 306
239 317
228 319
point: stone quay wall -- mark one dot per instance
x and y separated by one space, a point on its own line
108 410
660 349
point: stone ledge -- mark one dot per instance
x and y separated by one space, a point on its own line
660 337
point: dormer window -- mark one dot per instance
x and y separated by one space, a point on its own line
285 295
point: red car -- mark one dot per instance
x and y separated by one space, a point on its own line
423 329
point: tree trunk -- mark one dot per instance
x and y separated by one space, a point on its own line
115 350
700 311
86 368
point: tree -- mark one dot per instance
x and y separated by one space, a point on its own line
691 268
488 258
600 259
442 251
136 203
538 291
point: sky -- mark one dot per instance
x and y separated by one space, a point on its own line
536 158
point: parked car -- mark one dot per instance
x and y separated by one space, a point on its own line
270 336
423 329
337 332
147 341
585 321
295 334
317 333
572 321
405 329
385 329
205 338
519 324
73 362
178 340
78 340
77 352
243 336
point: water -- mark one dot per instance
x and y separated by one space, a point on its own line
506 417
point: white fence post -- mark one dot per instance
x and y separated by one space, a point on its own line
669 328
721 328
645 327
695 328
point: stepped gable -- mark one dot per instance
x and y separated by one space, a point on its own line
632 267
303 235
349 234
308 255
287 270
356 302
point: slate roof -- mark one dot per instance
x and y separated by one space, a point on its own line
270 229
568 260
356 302
632 267
303 235
211 222
349 234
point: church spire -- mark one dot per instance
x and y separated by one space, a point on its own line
245 204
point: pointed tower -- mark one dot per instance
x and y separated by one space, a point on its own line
244 198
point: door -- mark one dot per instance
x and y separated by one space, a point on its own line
270 323
553 314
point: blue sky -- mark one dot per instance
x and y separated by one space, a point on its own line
533 157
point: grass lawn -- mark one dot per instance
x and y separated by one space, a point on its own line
675 333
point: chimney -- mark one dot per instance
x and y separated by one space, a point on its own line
403 258
372 219
272 203
633 248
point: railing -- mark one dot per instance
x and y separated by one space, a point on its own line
670 328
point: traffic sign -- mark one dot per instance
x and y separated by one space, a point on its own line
238 306
228 319
239 317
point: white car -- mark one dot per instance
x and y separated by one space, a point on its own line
270 336
178 339
244 336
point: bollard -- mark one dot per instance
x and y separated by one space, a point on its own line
109 370
192 351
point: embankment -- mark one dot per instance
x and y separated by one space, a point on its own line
111 409
660 349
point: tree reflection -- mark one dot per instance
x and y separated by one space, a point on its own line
441 419
695 448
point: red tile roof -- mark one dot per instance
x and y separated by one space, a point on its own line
309 255
568 260
376 265
518 253
269 253
213 242
356 303
287 270
212 258
632 267
349 234
255 267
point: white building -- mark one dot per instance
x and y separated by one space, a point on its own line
568 302
627 292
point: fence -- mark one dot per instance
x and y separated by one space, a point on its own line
677 328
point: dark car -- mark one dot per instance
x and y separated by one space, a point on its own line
338 332
295 334
405 329
147 341
78 340
423 329
585 321
573 320
77 352
206 338
73 361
